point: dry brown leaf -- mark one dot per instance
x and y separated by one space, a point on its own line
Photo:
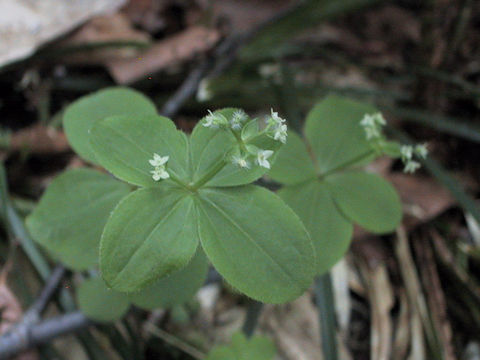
402 331
381 300
115 27
423 198
171 51
39 139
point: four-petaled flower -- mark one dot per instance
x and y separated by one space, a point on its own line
406 151
159 172
240 162
275 119
281 133
262 156
411 166
421 151
238 118
372 124
215 120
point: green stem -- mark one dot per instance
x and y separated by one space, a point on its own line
254 310
326 307
348 163
176 180
213 171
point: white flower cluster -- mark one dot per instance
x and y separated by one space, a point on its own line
373 124
159 172
408 151
277 127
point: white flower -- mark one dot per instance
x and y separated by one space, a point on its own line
367 121
275 119
372 124
160 173
158 160
240 162
372 132
379 119
421 150
411 166
238 118
262 156
281 133
214 120
406 151
204 93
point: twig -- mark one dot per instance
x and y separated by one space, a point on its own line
15 342
48 290
174 341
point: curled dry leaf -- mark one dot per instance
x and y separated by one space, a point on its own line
171 51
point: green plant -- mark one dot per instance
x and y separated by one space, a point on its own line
183 202
177 192
323 178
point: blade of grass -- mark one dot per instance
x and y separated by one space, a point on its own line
326 306
446 124
254 309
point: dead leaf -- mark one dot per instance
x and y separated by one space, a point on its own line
39 139
423 198
435 296
108 28
171 51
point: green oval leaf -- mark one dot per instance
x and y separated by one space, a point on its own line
330 232
82 114
99 303
124 144
151 233
175 289
367 199
256 242
333 131
70 216
293 165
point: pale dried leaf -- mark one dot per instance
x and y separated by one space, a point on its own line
25 25
171 51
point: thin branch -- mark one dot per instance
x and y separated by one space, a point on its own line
15 342
48 291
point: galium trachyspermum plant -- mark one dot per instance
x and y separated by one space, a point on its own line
177 197
324 180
